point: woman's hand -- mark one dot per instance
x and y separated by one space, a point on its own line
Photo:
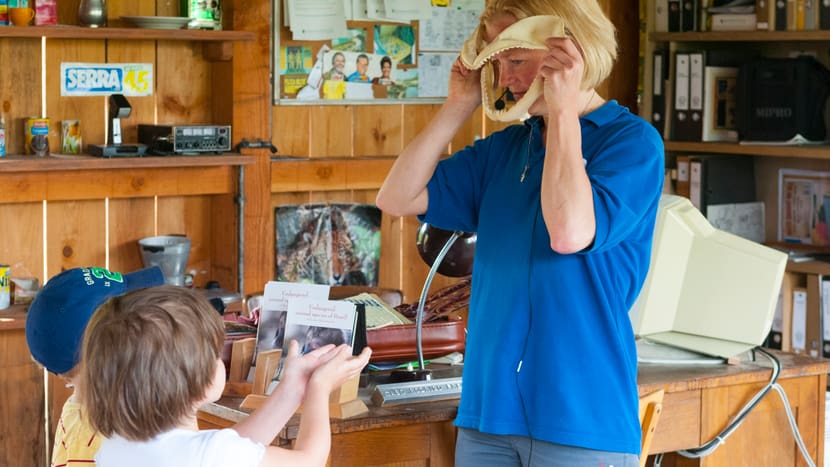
464 86
561 70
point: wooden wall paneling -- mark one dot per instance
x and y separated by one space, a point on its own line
291 130
224 241
68 11
19 87
416 118
322 176
75 235
143 107
23 435
390 272
21 238
467 134
378 130
183 88
367 173
21 187
252 118
88 109
622 84
331 132
190 216
118 8
334 196
130 219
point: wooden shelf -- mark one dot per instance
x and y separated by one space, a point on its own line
741 36
78 32
805 152
12 164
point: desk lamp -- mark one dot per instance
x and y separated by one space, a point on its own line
435 246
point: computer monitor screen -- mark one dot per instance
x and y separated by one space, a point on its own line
707 290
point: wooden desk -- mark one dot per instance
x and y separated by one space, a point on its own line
699 402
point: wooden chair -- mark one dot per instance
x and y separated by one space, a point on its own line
651 405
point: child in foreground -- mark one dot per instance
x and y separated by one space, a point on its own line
150 359
55 326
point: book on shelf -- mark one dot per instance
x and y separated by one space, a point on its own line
661 15
742 219
733 21
719 107
764 15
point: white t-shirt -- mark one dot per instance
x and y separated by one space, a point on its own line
182 448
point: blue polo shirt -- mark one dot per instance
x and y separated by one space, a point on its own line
550 349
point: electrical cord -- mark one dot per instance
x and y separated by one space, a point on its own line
711 445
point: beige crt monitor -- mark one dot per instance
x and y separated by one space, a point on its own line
707 290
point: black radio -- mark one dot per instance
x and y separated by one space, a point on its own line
185 139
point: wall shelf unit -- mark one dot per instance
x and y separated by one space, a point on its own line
77 32
800 152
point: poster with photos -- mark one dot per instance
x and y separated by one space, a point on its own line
389 68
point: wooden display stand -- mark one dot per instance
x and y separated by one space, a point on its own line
343 402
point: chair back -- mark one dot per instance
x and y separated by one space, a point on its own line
651 406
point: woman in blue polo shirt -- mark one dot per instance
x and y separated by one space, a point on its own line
564 206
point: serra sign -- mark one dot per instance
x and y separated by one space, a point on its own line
88 79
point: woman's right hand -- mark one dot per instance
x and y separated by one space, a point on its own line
464 86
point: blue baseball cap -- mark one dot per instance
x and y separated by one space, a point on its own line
59 313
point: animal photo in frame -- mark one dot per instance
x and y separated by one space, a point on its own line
334 244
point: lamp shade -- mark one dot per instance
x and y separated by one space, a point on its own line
459 259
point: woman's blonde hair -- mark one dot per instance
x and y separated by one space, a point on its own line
584 20
148 357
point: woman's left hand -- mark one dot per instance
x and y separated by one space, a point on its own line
561 71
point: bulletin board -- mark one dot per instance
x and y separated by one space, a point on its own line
367 51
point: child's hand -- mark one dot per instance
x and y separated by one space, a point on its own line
298 368
339 367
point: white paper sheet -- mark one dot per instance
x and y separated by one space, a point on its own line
447 28
434 73
316 19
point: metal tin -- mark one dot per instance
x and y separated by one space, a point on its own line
5 288
37 136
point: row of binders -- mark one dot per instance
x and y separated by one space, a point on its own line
699 103
802 319
740 15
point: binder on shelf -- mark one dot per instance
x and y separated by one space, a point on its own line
811 14
660 71
680 112
813 332
825 318
781 332
780 7
721 179
674 15
799 322
688 15
695 128
823 14
682 184
719 105
661 15
764 15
